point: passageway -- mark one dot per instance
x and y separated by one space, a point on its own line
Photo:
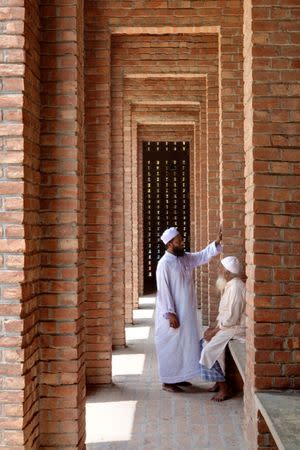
136 414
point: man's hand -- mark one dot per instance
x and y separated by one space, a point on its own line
174 322
219 238
210 333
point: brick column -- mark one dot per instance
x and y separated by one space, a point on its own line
213 189
30 289
231 157
19 230
98 196
271 46
201 210
61 328
232 185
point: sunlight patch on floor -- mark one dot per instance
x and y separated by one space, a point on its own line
128 364
147 300
143 314
137 333
101 427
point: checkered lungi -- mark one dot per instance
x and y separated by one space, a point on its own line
213 374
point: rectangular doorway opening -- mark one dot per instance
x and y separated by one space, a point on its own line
166 201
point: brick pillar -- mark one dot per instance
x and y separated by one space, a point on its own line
250 408
19 230
30 289
121 271
213 189
227 192
61 328
198 143
201 210
232 185
129 148
98 197
271 43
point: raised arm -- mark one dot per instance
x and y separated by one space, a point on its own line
203 257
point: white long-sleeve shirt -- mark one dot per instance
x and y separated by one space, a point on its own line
231 321
232 305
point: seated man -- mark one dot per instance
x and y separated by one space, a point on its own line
231 323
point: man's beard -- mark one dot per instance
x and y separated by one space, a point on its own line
221 283
178 251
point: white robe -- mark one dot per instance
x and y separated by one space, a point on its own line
231 321
178 349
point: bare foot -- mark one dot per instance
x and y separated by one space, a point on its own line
223 394
215 388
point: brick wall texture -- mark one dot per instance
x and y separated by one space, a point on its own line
42 360
82 85
271 49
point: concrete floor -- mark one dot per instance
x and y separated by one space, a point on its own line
136 414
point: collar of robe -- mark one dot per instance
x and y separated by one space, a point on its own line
229 283
172 256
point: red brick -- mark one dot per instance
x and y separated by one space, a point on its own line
268 343
268 370
267 315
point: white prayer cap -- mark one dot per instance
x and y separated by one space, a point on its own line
232 264
169 234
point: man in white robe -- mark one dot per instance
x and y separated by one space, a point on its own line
176 326
231 324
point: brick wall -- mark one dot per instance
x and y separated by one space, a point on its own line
98 228
61 326
251 426
272 198
19 231
30 288
42 217
265 439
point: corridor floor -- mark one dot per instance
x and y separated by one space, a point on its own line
134 413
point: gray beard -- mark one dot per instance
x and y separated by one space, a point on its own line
221 283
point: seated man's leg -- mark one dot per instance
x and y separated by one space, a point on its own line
224 392
215 374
